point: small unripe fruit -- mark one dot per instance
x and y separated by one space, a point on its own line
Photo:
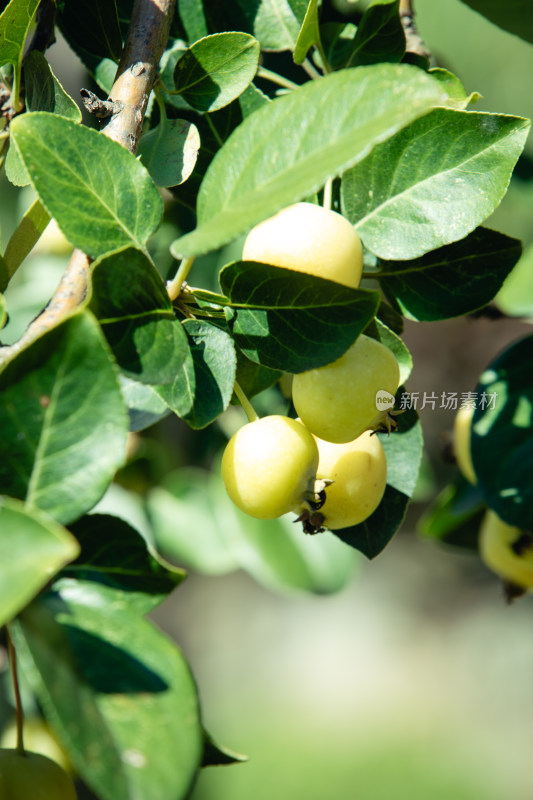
31 776
308 238
462 435
506 550
358 470
269 465
338 402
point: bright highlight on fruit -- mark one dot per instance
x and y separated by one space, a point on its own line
506 550
462 434
269 465
338 402
308 238
358 470
30 776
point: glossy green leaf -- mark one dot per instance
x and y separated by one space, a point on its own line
43 91
404 198
380 36
111 200
275 23
455 515
114 554
515 16
3 307
216 69
145 407
169 151
15 21
130 300
327 126
254 378
455 279
292 321
91 26
457 96
86 656
32 549
16 172
337 41
502 434
309 33
203 386
23 239
62 419
403 450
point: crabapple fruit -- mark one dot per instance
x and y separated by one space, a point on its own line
462 434
31 775
269 465
506 550
337 402
358 471
308 238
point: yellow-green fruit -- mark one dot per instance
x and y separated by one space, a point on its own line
506 550
462 433
358 470
308 238
38 738
268 465
32 776
338 402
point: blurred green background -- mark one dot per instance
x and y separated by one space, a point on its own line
414 681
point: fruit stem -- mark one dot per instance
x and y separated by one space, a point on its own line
174 286
273 77
19 714
328 192
251 413
311 70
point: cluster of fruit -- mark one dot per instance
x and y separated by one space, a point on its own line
325 466
505 549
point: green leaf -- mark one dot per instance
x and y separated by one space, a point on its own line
114 554
32 549
145 407
216 70
327 126
3 307
403 450
455 515
43 90
254 378
23 239
399 197
515 16
62 420
292 321
455 279
502 434
183 515
91 26
457 96
275 23
169 151
16 172
130 300
88 658
203 386
111 200
380 36
337 41
309 33
396 345
215 755
15 22
515 298
192 16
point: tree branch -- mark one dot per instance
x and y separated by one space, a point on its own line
413 41
143 48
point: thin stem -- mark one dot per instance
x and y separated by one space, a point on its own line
328 194
174 286
19 714
273 77
214 131
250 411
321 53
311 70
